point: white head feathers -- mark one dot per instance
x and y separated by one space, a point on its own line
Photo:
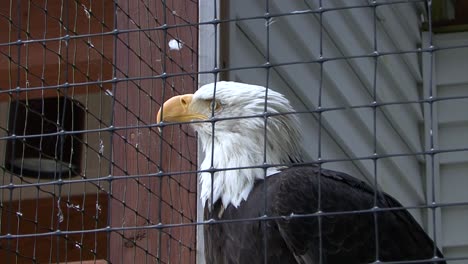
240 142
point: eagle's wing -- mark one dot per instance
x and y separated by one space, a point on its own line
348 237
243 239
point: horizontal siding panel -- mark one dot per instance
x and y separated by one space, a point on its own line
453 110
455 226
453 136
454 183
452 64
453 157
456 252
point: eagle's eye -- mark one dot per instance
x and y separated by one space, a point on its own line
215 104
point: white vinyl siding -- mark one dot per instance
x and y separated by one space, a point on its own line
450 130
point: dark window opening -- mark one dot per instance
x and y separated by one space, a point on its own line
45 148
449 16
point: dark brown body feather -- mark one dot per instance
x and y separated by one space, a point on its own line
344 238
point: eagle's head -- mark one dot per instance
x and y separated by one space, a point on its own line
239 135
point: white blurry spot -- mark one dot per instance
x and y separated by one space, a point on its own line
73 206
19 214
109 93
300 11
59 212
87 13
174 12
77 244
27 83
90 44
269 22
101 147
98 208
175 44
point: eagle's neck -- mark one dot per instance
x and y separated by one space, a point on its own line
234 151
230 185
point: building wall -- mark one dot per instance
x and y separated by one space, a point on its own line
449 83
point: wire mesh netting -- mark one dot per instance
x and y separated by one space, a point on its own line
82 165
88 175
373 83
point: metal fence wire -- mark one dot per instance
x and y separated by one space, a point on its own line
89 176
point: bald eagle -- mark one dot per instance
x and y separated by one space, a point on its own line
267 202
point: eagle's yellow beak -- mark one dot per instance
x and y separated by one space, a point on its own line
179 109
